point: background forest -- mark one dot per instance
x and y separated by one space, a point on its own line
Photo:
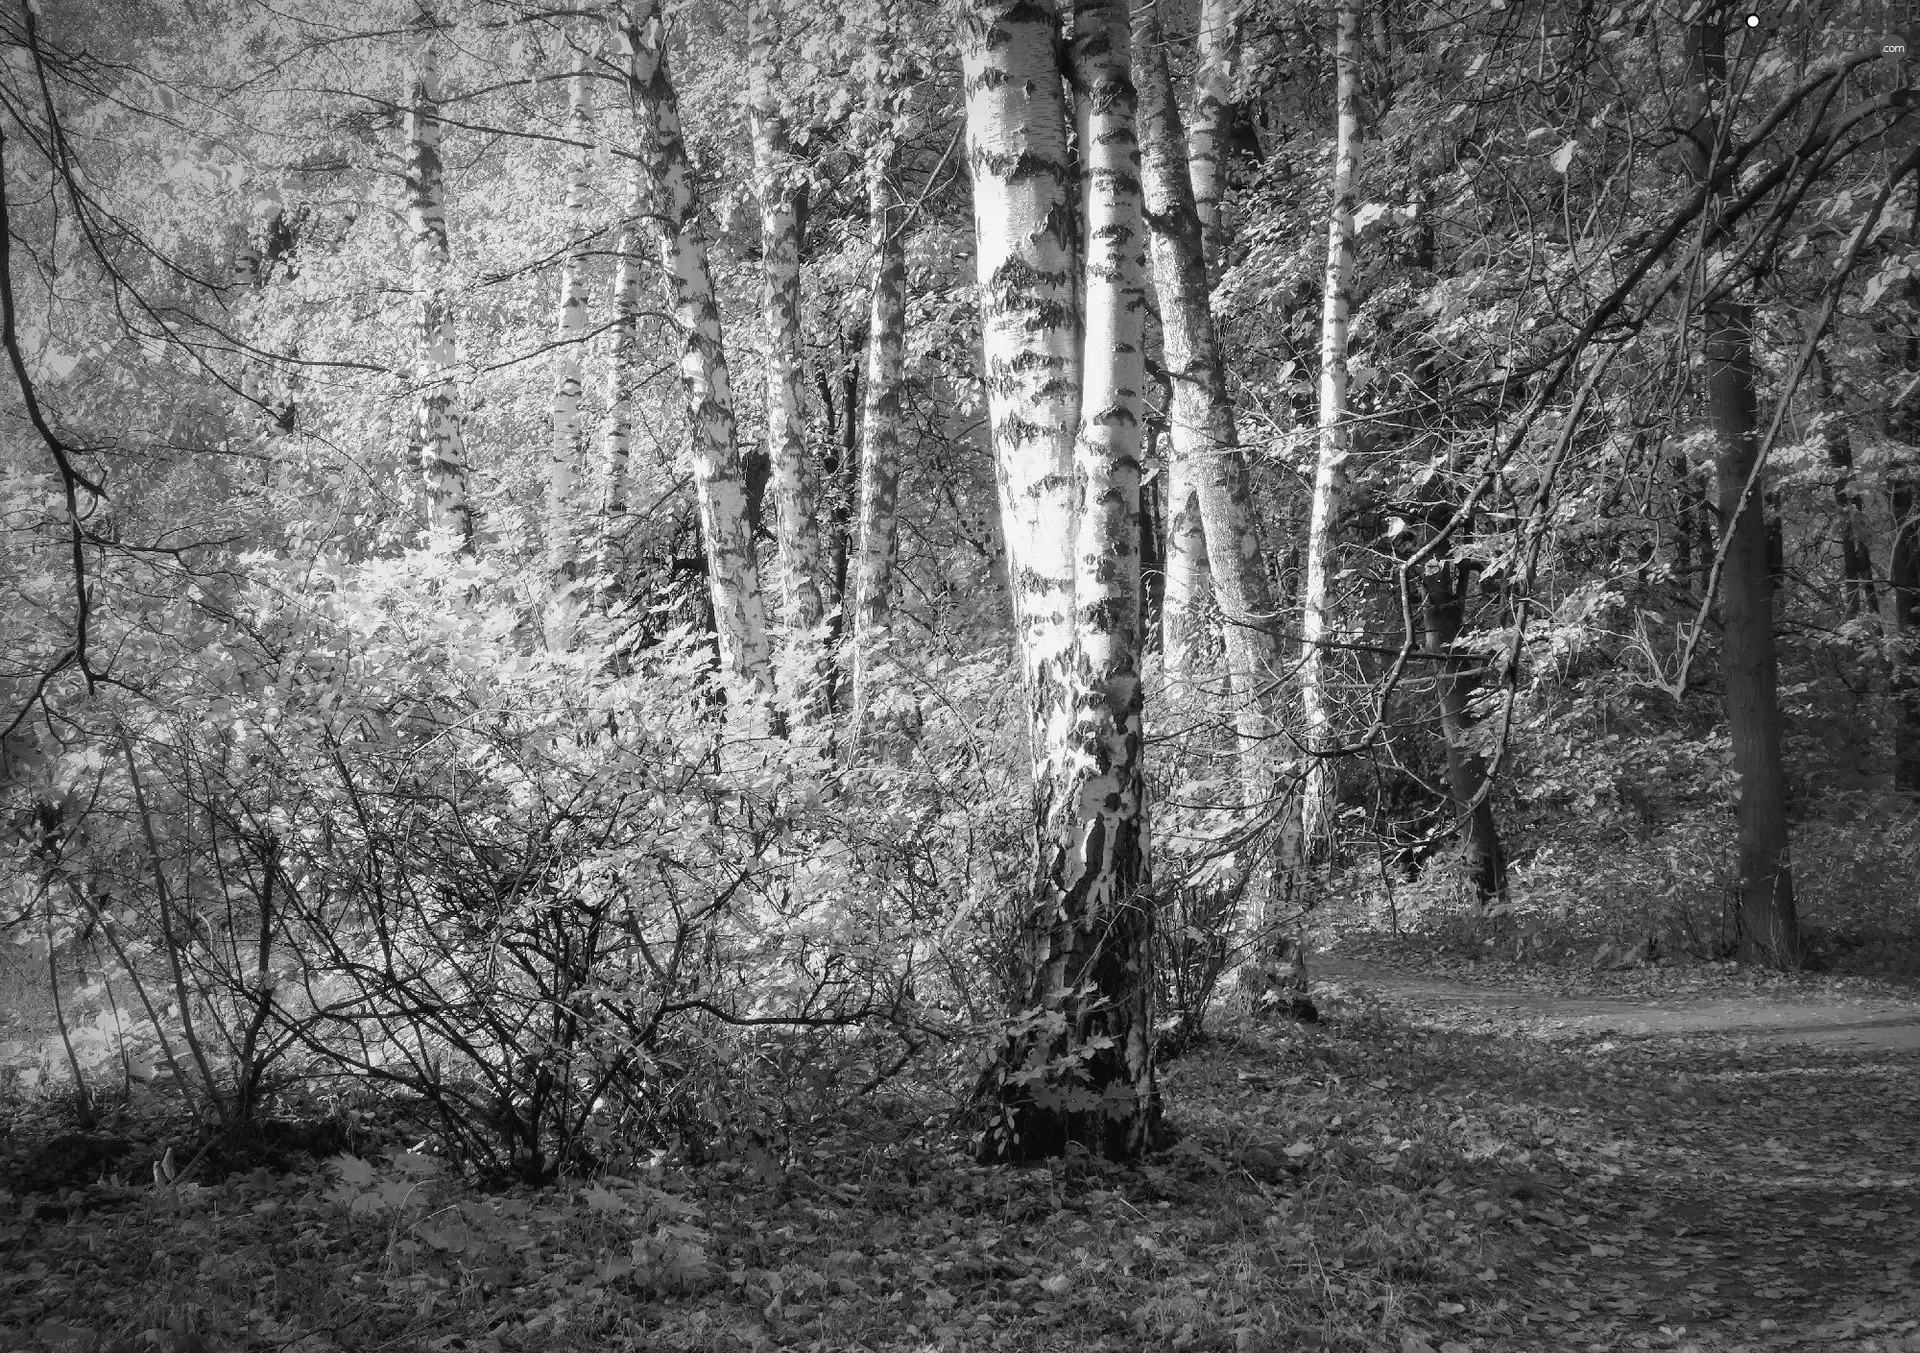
526 588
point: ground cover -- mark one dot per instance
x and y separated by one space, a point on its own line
1413 1173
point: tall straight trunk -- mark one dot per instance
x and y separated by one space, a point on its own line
840 473
1482 859
1153 548
1017 147
1207 468
565 446
438 445
878 532
1685 507
779 186
1856 563
1336 438
611 570
1903 587
733 575
1186 613
1903 570
1210 128
1769 930
1087 937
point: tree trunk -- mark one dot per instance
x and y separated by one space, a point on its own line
1186 614
1087 1028
1099 833
1153 542
840 488
1904 587
1769 931
733 575
1336 437
1856 564
1206 467
878 533
611 580
1483 860
565 446
1903 570
1211 126
776 180
438 446
1022 184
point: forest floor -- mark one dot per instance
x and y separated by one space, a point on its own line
1460 1157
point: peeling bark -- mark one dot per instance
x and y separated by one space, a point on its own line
1088 1027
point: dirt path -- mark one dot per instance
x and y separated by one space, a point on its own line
1881 1023
1726 1173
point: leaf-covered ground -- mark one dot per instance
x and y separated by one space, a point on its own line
1399 1177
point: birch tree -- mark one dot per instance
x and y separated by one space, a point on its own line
733 577
1335 444
878 530
1100 832
779 187
1210 128
1076 1066
616 437
438 445
1186 607
1022 178
565 445
1209 471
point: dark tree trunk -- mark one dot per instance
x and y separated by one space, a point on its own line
1903 495
1904 584
1482 858
1153 551
1769 930
1856 564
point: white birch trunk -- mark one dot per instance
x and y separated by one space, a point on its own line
1022 179
1204 446
1100 830
1317 617
733 576
1186 607
616 438
565 446
776 182
1209 128
796 529
1086 934
438 445
878 532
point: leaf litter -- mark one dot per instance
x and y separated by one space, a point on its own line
1396 1178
